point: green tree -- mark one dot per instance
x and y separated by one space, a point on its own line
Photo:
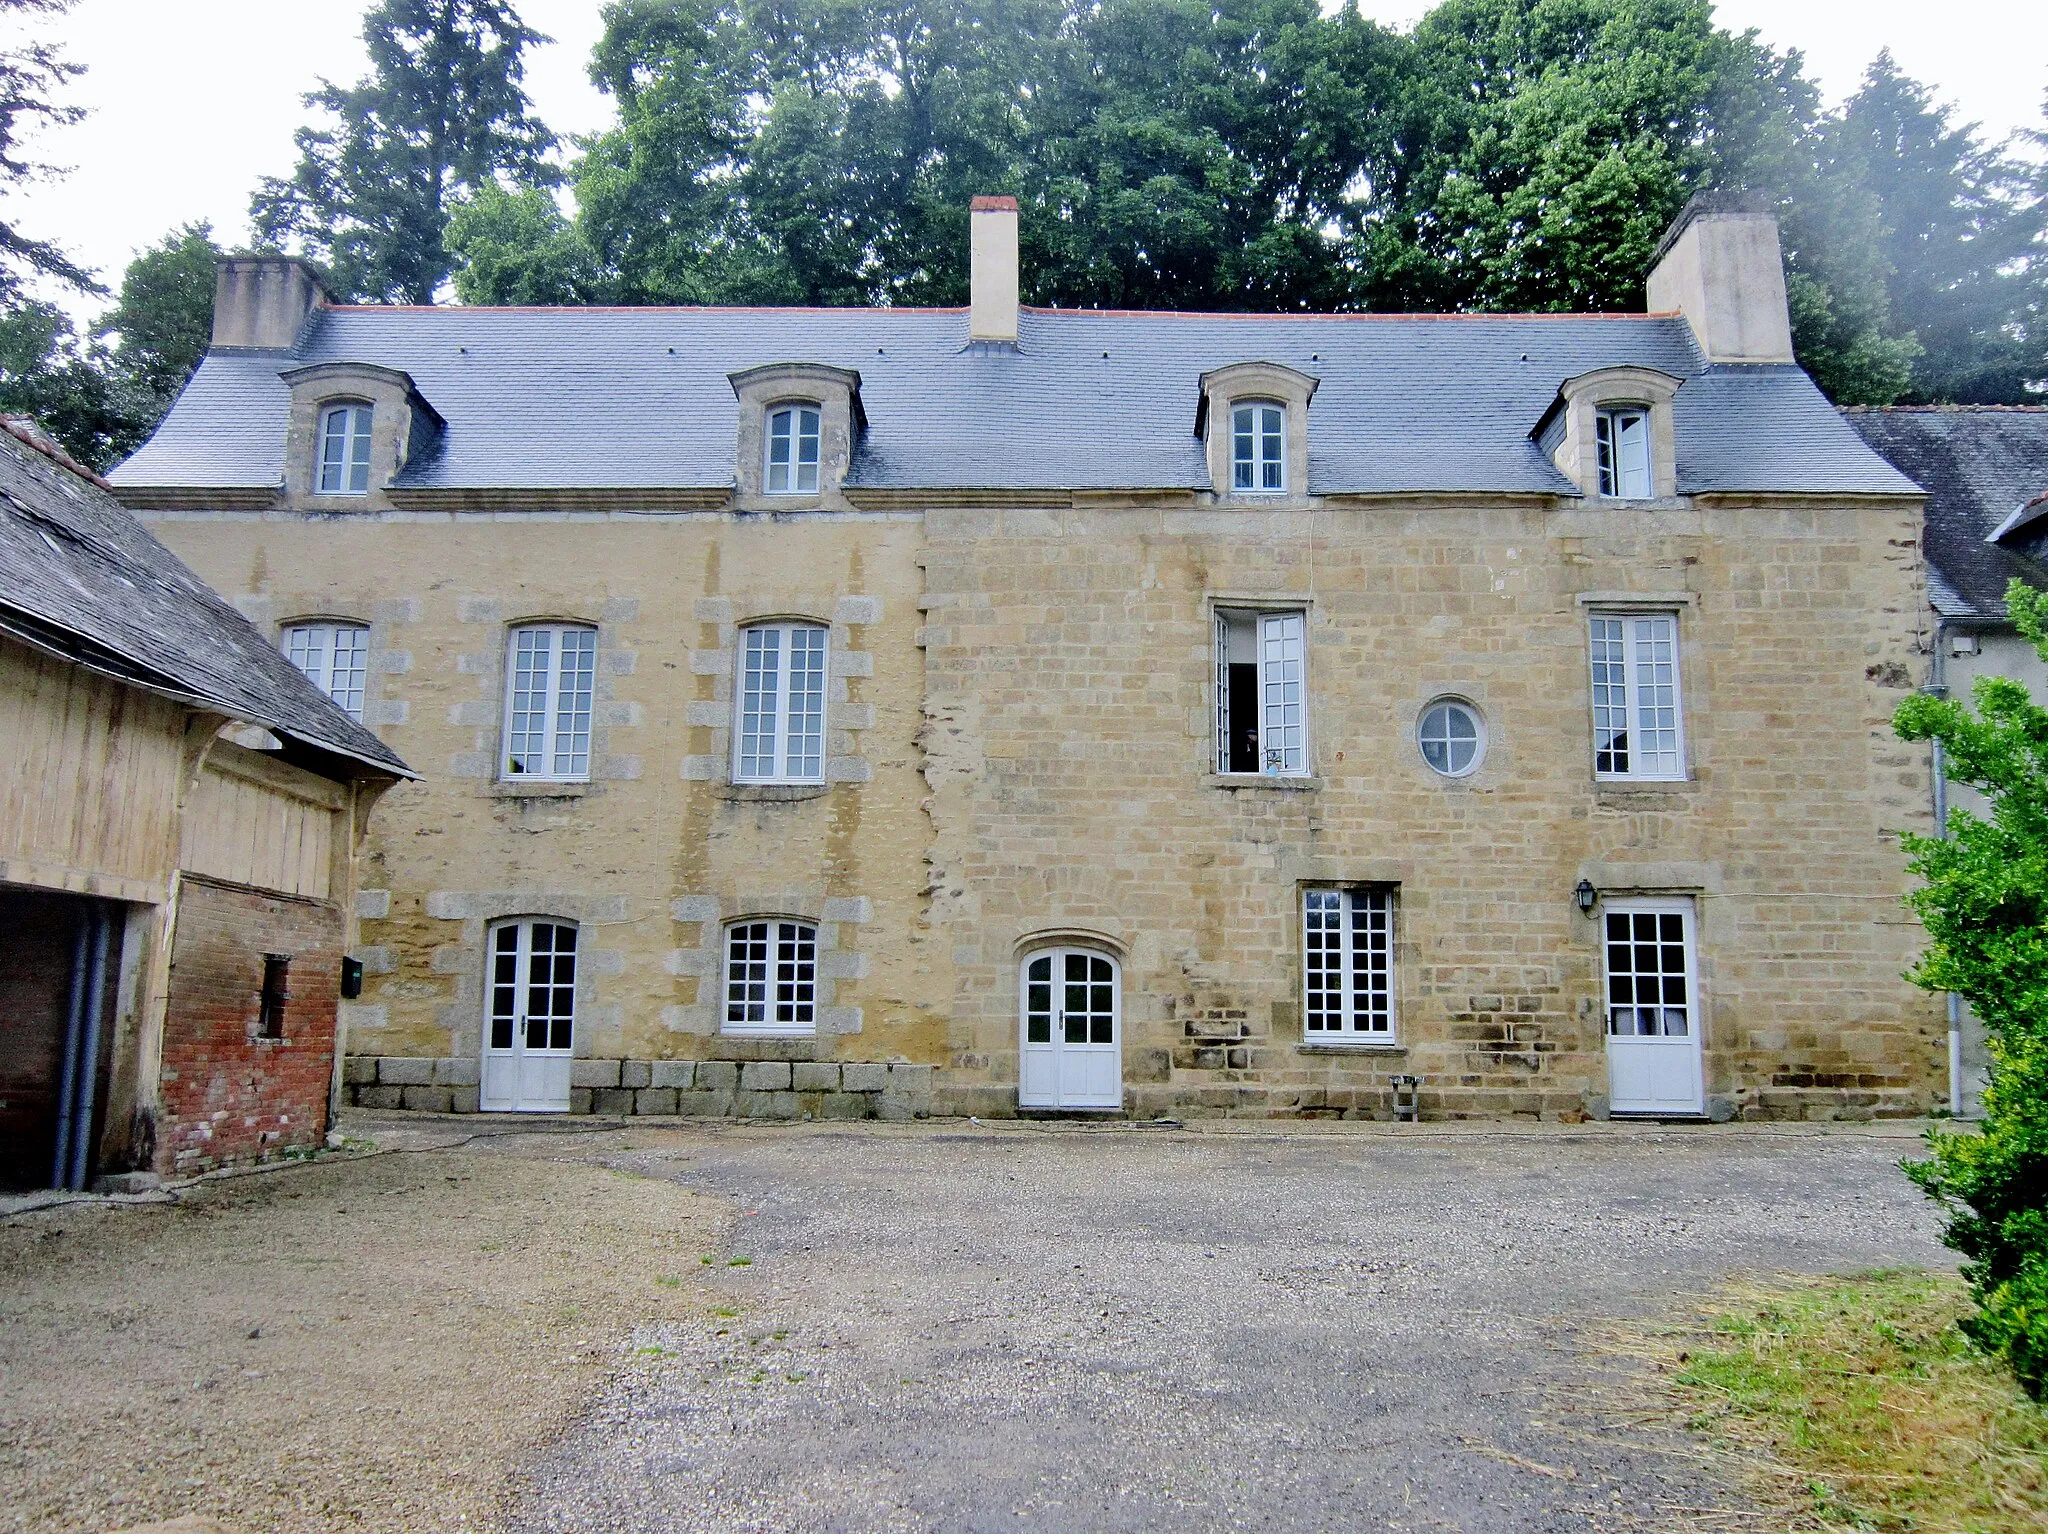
162 321
442 113
31 75
1957 229
517 248
1984 902
48 372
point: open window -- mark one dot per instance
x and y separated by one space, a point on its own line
1638 721
1262 692
1622 443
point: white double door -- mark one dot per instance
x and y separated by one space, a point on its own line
529 1017
1072 1031
1653 1015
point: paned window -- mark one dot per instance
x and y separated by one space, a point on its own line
533 985
771 977
336 656
1258 449
1637 730
1073 992
345 450
277 971
1623 440
1649 971
793 450
547 702
781 734
1262 693
1451 737
1348 959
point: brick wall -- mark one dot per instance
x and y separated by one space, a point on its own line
229 1095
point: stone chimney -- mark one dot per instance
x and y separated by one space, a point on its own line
993 224
1719 265
260 303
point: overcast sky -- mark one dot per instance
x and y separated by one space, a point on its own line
191 101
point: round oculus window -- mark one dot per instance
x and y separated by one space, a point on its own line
1451 738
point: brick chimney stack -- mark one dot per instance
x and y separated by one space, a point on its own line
260 303
992 222
1719 265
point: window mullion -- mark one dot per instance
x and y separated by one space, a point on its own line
785 676
1347 958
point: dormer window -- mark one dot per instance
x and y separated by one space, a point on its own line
1258 448
345 450
793 435
1622 440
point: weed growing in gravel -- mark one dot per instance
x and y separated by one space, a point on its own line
669 1281
1868 1409
739 1262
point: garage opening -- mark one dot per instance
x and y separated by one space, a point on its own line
59 956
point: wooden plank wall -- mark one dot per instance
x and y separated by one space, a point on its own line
262 824
88 774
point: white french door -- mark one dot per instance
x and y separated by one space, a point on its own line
1653 1013
529 1017
1072 1030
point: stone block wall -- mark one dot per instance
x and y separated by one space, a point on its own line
742 1089
227 1093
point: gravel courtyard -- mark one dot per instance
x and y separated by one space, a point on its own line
1013 1328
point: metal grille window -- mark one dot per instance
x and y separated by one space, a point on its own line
1623 441
1637 728
1649 973
793 450
345 450
1262 693
533 985
336 657
1258 449
548 690
1348 959
771 977
781 734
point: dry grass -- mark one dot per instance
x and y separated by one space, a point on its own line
372 1345
1856 1404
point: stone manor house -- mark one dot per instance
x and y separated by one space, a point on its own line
1006 709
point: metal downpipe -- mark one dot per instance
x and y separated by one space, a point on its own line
89 1055
67 1084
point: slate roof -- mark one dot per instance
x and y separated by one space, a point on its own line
80 576
1090 399
1980 465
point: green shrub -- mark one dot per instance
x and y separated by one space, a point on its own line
1984 902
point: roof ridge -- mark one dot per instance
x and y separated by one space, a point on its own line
28 432
1056 311
1943 409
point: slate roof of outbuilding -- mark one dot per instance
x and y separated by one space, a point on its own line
1089 399
1979 464
80 576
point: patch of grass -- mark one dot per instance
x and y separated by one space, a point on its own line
739 1262
669 1281
1869 1409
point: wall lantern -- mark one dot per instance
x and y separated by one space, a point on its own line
1585 895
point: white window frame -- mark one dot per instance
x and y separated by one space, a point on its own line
1347 964
1258 447
342 671
779 702
1479 741
769 977
566 699
1621 445
1282 639
351 467
1660 907
1634 647
795 426
517 1018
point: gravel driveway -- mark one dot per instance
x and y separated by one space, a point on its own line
962 1328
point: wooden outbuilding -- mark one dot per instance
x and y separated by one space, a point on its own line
181 811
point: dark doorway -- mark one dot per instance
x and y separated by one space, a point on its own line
59 955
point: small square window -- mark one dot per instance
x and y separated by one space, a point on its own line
793 450
1258 449
1623 439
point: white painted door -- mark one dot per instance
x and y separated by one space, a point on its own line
1072 1031
529 1017
1653 1013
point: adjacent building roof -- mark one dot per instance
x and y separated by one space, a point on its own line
1088 399
80 577
1982 465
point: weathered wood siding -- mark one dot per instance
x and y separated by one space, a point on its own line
262 824
88 779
